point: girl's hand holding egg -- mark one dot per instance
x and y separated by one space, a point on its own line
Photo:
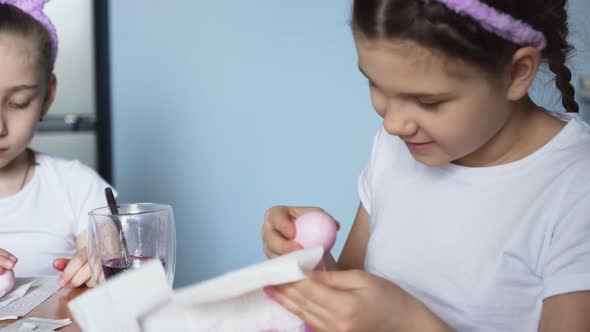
279 229
337 300
7 263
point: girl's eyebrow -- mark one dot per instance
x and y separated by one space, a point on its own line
365 75
22 87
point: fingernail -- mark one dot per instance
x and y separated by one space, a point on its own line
13 258
62 283
308 328
2 293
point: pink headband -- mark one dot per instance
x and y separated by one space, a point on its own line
496 22
35 9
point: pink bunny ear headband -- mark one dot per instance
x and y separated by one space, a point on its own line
497 22
35 9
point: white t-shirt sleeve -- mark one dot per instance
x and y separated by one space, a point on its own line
567 264
87 193
365 180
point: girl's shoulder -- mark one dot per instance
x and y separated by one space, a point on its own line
60 164
569 155
69 172
76 184
573 142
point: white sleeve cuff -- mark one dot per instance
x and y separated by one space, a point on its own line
566 284
364 192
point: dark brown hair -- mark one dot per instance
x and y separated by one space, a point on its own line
14 20
433 25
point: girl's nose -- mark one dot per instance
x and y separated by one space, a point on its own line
399 122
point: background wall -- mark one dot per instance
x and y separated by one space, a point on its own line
225 108
76 90
544 91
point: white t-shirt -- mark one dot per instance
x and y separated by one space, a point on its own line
482 247
40 223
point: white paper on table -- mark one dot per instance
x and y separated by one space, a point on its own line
141 300
236 301
117 304
281 270
36 290
252 312
38 324
19 290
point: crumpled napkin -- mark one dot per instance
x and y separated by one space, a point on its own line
141 300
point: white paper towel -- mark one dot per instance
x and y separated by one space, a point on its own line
118 304
232 302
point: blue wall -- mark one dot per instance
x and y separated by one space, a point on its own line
225 108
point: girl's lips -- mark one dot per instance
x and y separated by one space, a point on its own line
417 147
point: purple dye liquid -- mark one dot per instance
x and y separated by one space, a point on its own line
117 265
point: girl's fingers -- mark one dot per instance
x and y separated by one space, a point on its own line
277 232
278 229
343 280
298 308
75 264
8 255
7 263
276 244
322 299
81 277
278 219
90 283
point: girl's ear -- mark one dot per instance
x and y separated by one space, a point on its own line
49 96
523 68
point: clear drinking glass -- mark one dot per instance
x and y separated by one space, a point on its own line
148 232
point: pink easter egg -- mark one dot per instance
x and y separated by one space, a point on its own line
315 228
6 282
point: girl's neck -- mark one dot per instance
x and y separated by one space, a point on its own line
16 174
527 129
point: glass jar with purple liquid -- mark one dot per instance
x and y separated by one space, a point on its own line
148 232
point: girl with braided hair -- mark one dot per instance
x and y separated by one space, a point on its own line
474 209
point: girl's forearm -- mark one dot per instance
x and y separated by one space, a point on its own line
419 317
